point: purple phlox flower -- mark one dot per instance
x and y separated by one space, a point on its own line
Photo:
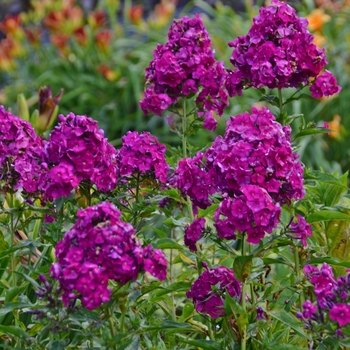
101 247
253 211
77 151
155 262
183 66
193 233
341 314
277 52
142 154
323 281
192 179
301 229
325 85
20 153
309 309
208 291
260 313
256 150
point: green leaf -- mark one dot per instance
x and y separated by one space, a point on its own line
324 177
14 331
269 261
289 320
326 215
57 345
167 243
242 266
311 131
9 307
202 343
187 312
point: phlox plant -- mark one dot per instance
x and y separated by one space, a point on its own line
148 246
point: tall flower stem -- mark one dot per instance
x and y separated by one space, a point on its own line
184 150
12 233
297 272
280 98
244 289
111 325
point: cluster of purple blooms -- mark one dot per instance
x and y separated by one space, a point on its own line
142 154
253 168
332 298
184 66
208 291
253 212
257 150
278 52
101 247
300 229
20 153
77 151
193 233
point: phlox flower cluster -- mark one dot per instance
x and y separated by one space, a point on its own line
192 178
142 154
208 291
77 151
277 52
193 233
185 65
300 229
101 247
325 85
332 298
253 168
20 153
253 212
257 150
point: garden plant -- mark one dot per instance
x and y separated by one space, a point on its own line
232 245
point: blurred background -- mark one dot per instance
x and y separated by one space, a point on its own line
97 51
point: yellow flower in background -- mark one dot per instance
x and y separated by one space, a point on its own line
317 18
319 39
335 126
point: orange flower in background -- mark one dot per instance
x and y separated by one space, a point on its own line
319 40
136 14
317 18
54 21
60 41
6 62
97 19
81 36
11 47
73 18
33 35
107 72
103 40
335 126
11 24
163 12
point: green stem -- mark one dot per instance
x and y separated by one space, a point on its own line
244 290
297 272
137 188
210 329
12 233
171 275
184 150
280 98
111 327
184 128
252 295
